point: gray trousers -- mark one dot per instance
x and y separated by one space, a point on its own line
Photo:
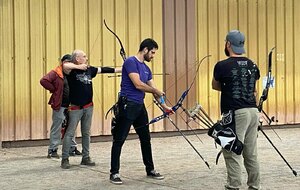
55 134
85 117
247 121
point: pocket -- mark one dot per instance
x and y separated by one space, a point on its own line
132 110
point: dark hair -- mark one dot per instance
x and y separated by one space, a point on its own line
66 57
149 44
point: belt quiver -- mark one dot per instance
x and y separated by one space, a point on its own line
115 109
225 135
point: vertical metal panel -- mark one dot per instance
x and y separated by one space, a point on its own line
157 66
290 63
179 38
37 53
169 50
280 62
7 71
95 55
213 47
180 52
108 12
22 75
202 50
296 54
266 23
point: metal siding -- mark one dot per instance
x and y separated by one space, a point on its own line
37 53
213 42
266 24
7 71
290 63
179 38
22 102
203 96
169 52
157 66
296 50
37 33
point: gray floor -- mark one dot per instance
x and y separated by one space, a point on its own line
28 168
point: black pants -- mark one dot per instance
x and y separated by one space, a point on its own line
131 113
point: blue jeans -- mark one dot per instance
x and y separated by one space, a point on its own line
85 117
55 135
131 114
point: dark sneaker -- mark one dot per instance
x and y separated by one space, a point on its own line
75 152
52 154
230 188
65 163
87 161
115 179
155 175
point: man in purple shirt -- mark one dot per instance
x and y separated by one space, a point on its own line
136 81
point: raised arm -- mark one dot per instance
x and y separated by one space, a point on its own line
68 66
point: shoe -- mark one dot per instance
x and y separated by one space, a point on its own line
65 163
230 188
52 154
87 161
115 179
75 152
155 175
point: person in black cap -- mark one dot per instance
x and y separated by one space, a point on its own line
236 78
56 82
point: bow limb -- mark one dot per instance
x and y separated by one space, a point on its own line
174 108
122 50
264 95
182 97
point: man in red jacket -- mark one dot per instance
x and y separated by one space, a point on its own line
57 84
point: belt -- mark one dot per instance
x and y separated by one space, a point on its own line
74 107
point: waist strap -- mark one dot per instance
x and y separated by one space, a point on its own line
74 107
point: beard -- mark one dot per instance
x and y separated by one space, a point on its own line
226 52
147 58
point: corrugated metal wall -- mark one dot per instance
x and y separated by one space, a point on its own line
179 29
266 23
36 33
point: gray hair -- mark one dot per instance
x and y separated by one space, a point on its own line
75 53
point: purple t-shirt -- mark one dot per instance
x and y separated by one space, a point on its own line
133 65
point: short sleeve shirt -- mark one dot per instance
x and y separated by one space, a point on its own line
81 86
237 76
133 65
